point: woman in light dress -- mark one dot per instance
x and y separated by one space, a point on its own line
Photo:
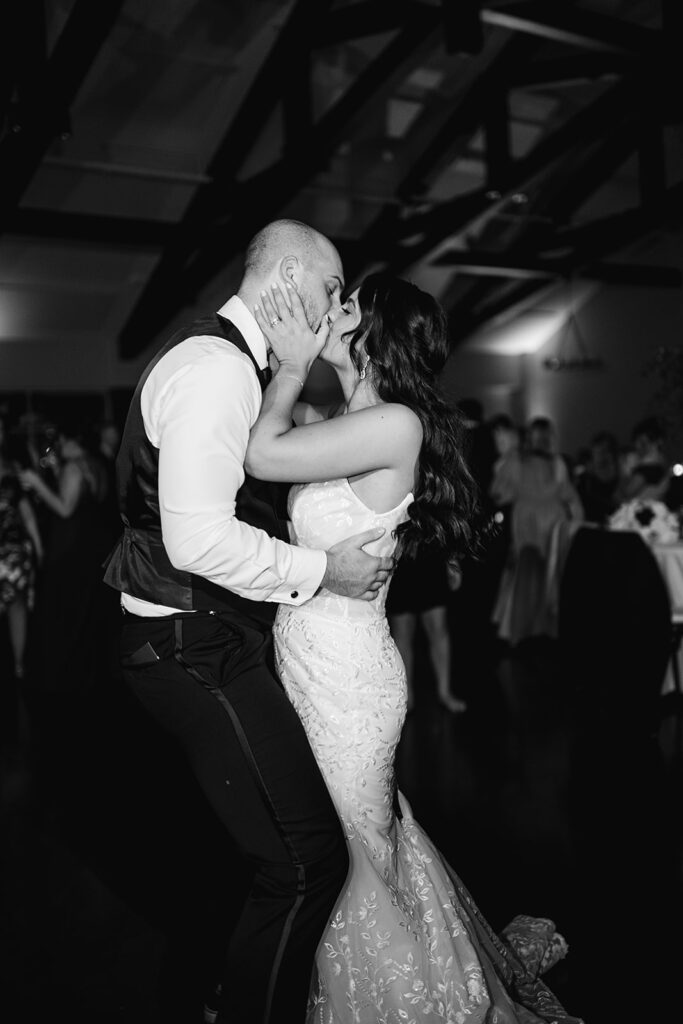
406 943
545 507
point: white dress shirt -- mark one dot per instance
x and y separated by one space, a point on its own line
198 405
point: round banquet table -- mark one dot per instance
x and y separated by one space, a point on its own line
669 557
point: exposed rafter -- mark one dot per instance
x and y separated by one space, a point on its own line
460 123
586 245
573 69
446 219
43 114
578 130
606 234
485 95
487 264
98 229
505 49
462 24
572 26
177 280
288 50
550 21
555 203
506 302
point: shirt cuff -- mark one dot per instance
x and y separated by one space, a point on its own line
308 566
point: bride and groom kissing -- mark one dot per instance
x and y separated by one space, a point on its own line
352 915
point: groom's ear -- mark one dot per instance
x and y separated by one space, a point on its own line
291 271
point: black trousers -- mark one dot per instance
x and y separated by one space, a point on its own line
206 679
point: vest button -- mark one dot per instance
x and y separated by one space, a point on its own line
295 593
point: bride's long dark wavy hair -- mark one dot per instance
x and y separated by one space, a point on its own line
404 332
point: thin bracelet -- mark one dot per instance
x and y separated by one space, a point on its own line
297 379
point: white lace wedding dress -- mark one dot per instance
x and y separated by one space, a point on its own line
406 942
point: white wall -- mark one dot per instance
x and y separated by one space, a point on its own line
623 326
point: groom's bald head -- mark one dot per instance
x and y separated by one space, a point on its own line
288 251
281 238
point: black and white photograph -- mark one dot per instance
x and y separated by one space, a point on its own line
341 512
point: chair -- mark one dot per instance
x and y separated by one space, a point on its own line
676 641
670 561
615 623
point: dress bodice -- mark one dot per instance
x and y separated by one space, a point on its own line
323 514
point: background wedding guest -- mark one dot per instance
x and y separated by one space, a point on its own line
418 600
21 551
108 438
647 470
542 495
600 478
506 440
469 609
478 445
66 630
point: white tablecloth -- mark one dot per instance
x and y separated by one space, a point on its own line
670 560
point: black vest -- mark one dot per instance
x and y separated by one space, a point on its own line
138 564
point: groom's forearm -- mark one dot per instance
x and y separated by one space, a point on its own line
203 430
245 559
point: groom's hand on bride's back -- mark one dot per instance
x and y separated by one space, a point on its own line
353 572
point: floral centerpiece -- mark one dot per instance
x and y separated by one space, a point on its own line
653 520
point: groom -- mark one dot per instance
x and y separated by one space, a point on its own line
203 561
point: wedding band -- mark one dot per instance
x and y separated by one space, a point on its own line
276 320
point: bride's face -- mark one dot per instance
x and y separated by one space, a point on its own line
335 351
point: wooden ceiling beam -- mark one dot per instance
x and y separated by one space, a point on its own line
560 23
22 151
549 21
578 130
491 264
588 173
464 119
291 45
98 229
446 135
511 298
366 18
559 198
22 69
462 26
606 234
496 123
582 247
453 217
180 275
209 202
573 69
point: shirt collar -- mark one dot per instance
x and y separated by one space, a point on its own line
245 322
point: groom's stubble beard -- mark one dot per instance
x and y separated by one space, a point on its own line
313 317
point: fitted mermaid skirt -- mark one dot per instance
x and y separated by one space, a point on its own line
406 942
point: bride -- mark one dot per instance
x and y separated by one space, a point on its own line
406 941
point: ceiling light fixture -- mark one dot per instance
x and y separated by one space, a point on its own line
572 351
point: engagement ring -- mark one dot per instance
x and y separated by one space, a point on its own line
276 320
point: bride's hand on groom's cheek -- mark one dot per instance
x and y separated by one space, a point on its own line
282 319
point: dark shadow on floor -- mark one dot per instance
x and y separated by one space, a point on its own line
111 894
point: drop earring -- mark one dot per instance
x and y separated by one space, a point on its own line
364 367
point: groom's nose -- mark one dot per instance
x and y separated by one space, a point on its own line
336 310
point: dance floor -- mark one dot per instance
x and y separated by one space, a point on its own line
540 806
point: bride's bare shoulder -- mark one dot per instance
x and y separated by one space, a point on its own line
397 417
